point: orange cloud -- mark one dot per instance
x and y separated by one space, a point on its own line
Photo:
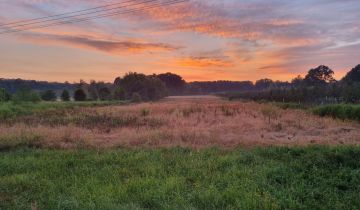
108 46
203 62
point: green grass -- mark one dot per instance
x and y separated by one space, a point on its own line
284 105
340 111
263 178
12 110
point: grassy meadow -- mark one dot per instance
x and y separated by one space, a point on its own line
178 153
262 178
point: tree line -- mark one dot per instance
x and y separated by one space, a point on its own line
318 86
133 86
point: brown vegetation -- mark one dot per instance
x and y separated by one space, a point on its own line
176 121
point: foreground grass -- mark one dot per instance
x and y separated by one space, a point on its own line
11 110
264 178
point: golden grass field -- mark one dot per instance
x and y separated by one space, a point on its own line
195 122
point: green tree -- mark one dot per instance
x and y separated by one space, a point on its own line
80 95
65 95
48 95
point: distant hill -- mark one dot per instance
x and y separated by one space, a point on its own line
12 85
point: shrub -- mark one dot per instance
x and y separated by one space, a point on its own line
340 111
4 95
65 95
48 95
80 95
104 94
26 95
145 112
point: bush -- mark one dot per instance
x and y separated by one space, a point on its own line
48 95
65 95
25 95
340 111
80 95
104 94
136 98
4 95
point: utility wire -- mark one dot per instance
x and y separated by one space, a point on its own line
63 14
48 19
172 2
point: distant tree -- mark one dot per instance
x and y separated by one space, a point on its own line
263 83
119 94
297 81
4 95
93 90
65 95
80 95
353 75
136 98
148 87
321 75
48 95
25 95
173 82
104 94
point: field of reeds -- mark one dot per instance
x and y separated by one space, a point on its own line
185 122
178 153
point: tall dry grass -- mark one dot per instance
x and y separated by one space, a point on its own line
181 121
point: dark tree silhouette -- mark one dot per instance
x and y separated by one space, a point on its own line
353 75
80 95
104 94
148 87
297 81
263 84
173 82
119 94
65 95
321 75
48 95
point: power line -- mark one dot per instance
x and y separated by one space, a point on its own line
63 14
172 2
60 17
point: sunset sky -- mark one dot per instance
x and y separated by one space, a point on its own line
199 39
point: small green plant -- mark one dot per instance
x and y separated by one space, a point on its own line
144 112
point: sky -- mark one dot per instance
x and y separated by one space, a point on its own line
200 40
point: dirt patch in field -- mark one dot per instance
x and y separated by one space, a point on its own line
178 121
